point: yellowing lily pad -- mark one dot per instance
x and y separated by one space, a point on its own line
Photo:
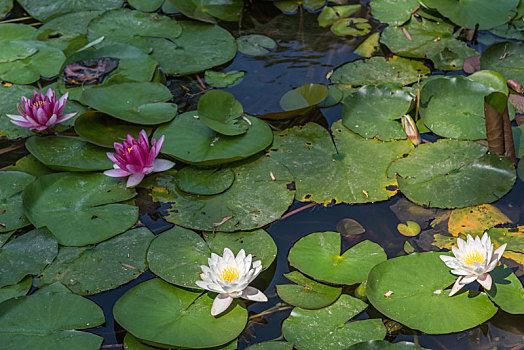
475 220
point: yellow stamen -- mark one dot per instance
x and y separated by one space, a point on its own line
472 257
130 148
39 103
229 274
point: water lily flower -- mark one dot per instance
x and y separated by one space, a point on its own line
230 277
41 111
473 261
135 159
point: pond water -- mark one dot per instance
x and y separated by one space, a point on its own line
307 54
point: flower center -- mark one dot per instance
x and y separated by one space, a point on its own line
130 149
472 257
229 274
39 103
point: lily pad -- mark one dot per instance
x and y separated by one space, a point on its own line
30 165
5 7
410 297
291 6
328 328
445 174
12 183
80 208
410 228
9 97
200 46
306 293
446 115
158 312
209 10
220 111
48 321
44 10
378 70
223 80
272 345
254 199
16 290
520 170
505 58
330 15
347 227
475 220
375 111
67 153
203 181
518 140
354 27
133 28
91 270
26 255
103 130
304 97
146 5
188 139
176 255
134 102
318 255
369 46
393 12
385 345
255 44
507 290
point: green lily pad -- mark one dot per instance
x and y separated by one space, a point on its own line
255 44
26 255
133 65
30 165
80 208
354 27
318 255
200 46
507 290
337 174
16 290
410 228
133 28
393 12
134 102
254 199
505 58
328 328
48 321
176 255
91 270
188 139
410 297
5 7
304 97
12 53
333 98
369 46
520 169
446 115
158 312
290 6
203 181
377 70
223 80
9 97
272 345
209 10
44 10
385 345
16 31
146 5
103 130
220 111
330 15
445 174
470 13
427 39
67 153
12 183
306 293
348 227
375 111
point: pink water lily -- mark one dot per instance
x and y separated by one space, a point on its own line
135 159
41 111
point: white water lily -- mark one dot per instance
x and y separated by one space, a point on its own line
473 261
230 277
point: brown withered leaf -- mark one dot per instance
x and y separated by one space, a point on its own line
89 72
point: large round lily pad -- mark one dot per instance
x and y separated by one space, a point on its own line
318 255
409 288
255 44
394 12
506 291
220 111
191 141
254 199
306 293
45 9
176 255
385 345
12 183
505 58
134 102
375 111
80 208
204 181
26 255
90 270
158 312
447 173
67 153
328 328
208 10
48 321
446 115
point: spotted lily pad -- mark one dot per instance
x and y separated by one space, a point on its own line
12 183
385 345
203 181
445 174
394 12
255 44
328 327
220 111
80 208
306 293
44 10
176 255
318 255
354 27
475 220
410 297
330 15
210 10
158 312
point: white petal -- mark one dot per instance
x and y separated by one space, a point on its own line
485 281
220 304
251 293
468 279
450 261
456 287
16 117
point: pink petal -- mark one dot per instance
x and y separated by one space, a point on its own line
221 303
161 165
116 173
134 180
142 138
50 93
251 293
65 117
485 281
16 117
51 121
24 124
41 116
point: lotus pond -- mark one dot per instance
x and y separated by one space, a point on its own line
274 175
